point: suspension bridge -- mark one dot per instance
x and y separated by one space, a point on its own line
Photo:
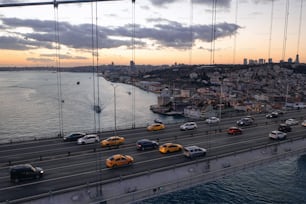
75 174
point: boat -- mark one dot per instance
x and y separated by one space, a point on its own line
97 108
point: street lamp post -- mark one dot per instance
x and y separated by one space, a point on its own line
221 93
115 108
220 107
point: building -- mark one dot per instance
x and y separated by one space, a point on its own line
245 61
297 59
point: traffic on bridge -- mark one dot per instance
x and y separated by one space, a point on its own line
67 164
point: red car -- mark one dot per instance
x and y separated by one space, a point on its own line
234 131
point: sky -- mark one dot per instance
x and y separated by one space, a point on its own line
155 32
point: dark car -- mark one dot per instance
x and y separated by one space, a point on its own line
284 128
245 122
25 172
73 136
272 115
146 144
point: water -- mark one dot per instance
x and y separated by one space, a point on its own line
29 108
29 105
282 182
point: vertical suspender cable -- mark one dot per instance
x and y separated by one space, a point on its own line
300 26
58 67
235 37
271 24
285 30
98 163
97 64
191 31
213 32
215 19
93 67
133 64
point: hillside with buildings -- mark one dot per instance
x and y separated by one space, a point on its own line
202 91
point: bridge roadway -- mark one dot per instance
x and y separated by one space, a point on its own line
67 164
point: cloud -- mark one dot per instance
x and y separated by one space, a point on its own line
262 1
161 3
50 58
64 56
219 3
18 43
173 34
40 60
164 33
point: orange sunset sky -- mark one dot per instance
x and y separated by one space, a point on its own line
166 32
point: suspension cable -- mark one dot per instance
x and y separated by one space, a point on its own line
191 31
97 64
271 24
215 20
235 36
285 30
300 26
51 2
133 64
93 67
58 67
213 32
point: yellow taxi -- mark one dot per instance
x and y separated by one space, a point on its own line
156 126
118 160
170 147
112 141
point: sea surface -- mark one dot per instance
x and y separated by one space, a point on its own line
29 108
30 104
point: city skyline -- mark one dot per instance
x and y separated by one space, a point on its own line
163 34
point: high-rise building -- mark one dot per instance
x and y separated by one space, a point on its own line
245 61
132 65
297 60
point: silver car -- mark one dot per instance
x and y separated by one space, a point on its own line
212 120
292 121
188 126
88 139
194 151
277 135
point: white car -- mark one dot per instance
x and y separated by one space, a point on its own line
188 126
292 121
88 139
303 123
277 135
212 120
